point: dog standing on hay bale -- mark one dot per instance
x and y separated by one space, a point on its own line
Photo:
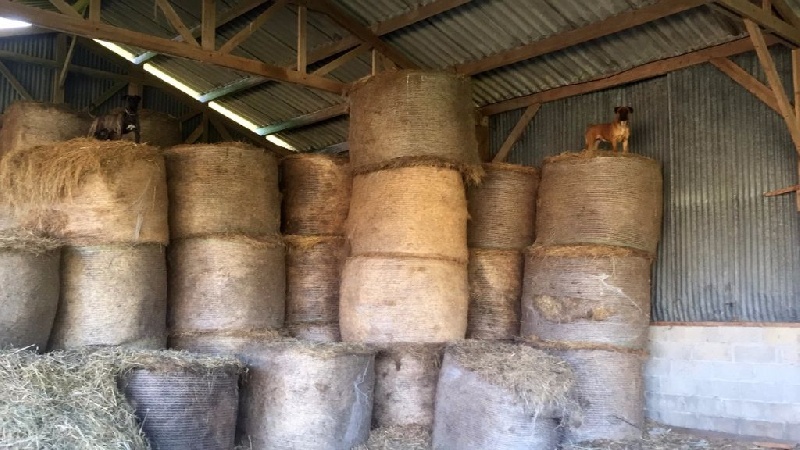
614 132
112 126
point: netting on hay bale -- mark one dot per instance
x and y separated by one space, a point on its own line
412 437
587 294
316 194
226 282
495 287
415 211
405 384
313 270
315 332
183 401
222 188
89 192
233 343
158 129
493 395
307 395
28 124
29 276
393 112
599 199
502 208
403 299
112 295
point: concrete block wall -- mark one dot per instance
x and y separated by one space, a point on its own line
733 379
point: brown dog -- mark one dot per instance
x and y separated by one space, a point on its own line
614 132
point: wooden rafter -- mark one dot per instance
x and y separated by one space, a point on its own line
747 81
340 61
517 132
195 135
92 30
88 71
175 20
208 25
66 8
253 26
763 18
94 10
221 129
305 120
61 47
62 75
106 95
786 12
14 82
560 41
302 39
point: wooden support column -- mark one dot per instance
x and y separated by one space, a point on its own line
195 134
14 82
61 57
747 81
302 51
517 132
62 76
796 88
94 10
209 25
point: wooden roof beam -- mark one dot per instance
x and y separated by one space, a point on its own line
94 30
176 22
747 81
305 120
250 28
763 18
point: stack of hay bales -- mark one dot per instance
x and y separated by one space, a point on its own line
502 213
404 286
226 257
586 294
108 202
27 124
316 198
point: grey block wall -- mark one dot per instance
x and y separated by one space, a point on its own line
742 380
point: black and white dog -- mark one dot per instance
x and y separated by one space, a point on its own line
112 126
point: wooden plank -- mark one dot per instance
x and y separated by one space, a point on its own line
774 80
305 120
302 51
249 29
782 191
643 72
517 132
94 10
195 134
61 48
560 41
342 60
65 8
221 129
374 65
766 19
62 76
786 11
61 22
14 82
363 33
175 20
747 81
208 25
796 89
106 95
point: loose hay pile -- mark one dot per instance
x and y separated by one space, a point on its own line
500 396
399 438
89 191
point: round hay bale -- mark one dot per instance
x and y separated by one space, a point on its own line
231 343
184 402
400 117
495 396
598 295
89 192
610 388
315 332
112 295
29 276
603 200
415 211
157 129
301 395
405 384
495 286
226 283
502 208
313 270
392 299
412 437
316 194
222 188
28 124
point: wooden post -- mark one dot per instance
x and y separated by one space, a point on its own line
94 10
209 25
302 53
517 132
205 128
375 57
61 56
62 76
796 88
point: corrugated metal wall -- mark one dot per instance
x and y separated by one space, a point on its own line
727 253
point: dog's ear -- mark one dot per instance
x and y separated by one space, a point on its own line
630 109
616 109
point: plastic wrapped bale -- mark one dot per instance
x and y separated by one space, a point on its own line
495 286
405 384
596 198
28 124
112 295
29 276
226 282
590 294
228 188
316 194
158 129
307 395
500 396
392 299
414 211
89 192
400 118
313 270
502 209
184 402
231 343
412 437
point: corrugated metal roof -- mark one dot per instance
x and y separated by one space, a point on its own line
465 33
